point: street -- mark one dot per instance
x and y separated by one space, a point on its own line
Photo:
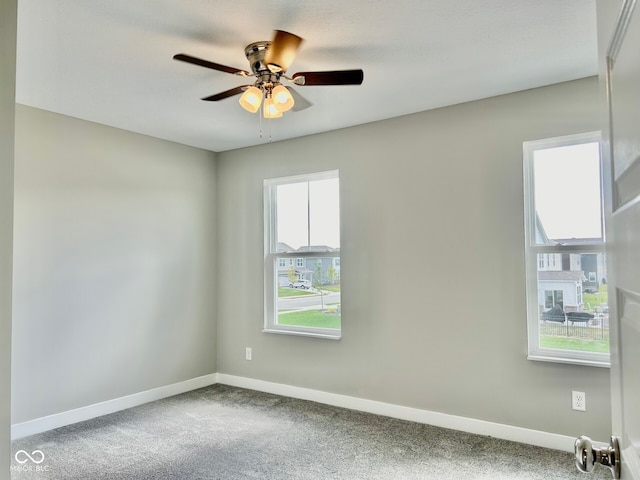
306 301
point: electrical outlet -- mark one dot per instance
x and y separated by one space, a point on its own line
579 401
248 354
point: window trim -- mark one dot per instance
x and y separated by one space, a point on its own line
271 256
532 249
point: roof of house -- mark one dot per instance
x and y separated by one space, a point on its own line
561 275
577 241
541 234
284 248
317 249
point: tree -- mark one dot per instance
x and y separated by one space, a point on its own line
331 273
291 274
317 282
318 275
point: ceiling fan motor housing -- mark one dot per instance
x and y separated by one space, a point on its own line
255 53
266 79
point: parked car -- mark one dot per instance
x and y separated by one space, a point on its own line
304 284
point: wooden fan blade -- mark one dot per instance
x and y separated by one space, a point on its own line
206 63
226 94
282 51
335 77
299 102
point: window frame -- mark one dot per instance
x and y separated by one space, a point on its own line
272 256
532 250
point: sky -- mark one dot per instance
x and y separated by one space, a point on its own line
319 198
567 190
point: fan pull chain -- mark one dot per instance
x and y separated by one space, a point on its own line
262 131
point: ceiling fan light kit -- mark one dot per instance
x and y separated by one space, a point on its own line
282 98
270 110
277 100
251 99
269 62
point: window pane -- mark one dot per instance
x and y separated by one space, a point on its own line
309 294
292 216
573 309
567 310
308 215
568 201
302 253
324 207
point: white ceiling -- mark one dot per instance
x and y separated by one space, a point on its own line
110 61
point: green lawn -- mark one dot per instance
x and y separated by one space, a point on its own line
293 292
330 288
310 318
564 343
595 299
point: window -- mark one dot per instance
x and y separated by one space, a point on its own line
567 302
553 298
302 223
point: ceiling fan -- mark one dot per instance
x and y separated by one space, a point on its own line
269 62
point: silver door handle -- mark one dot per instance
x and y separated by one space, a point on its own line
587 455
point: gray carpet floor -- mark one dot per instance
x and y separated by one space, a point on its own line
228 433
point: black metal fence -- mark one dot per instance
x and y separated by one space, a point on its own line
594 329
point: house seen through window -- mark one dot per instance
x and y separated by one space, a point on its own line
567 311
302 255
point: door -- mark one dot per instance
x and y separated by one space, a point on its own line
620 67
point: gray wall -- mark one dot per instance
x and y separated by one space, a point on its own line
433 277
115 261
8 25
114 264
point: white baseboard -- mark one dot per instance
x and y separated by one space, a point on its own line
50 422
470 425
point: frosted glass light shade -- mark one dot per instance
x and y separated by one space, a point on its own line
251 99
270 110
282 99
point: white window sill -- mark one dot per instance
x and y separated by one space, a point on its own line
329 335
572 361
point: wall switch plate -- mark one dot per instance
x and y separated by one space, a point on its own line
578 401
248 353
